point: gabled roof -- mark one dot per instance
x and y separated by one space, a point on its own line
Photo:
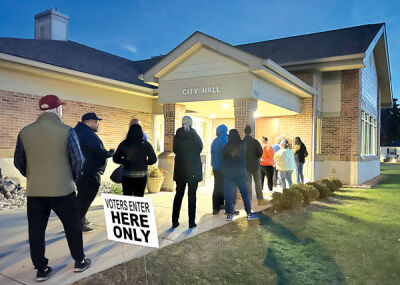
354 40
74 56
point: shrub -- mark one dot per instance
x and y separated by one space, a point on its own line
116 190
331 185
323 190
288 199
336 181
278 201
309 192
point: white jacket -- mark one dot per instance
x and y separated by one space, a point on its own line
284 160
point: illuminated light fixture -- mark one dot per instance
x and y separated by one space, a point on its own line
256 114
212 116
225 106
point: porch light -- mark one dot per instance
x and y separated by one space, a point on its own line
256 114
225 106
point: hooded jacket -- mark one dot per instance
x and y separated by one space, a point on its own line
284 160
217 147
187 149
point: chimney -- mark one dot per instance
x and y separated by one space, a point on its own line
51 25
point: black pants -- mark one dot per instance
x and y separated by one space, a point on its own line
134 186
218 193
88 185
180 192
38 211
269 172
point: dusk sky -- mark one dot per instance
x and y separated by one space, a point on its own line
139 29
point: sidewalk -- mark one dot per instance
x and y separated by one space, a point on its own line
16 266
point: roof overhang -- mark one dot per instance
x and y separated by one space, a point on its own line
36 67
378 47
265 69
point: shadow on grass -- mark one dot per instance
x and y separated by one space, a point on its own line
297 261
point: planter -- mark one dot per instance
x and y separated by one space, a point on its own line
154 184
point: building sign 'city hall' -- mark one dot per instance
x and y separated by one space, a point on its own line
204 90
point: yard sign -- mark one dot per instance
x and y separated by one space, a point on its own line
130 220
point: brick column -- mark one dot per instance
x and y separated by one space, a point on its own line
244 115
173 114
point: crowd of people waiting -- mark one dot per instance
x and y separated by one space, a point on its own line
55 157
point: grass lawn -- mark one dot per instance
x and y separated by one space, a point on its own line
351 238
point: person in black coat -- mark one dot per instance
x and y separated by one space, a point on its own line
187 169
135 154
95 163
300 153
253 154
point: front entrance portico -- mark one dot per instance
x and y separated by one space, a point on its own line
207 78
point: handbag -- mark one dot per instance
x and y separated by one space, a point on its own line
117 174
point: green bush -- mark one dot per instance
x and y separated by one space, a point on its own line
278 201
309 192
331 185
336 181
323 190
288 199
116 190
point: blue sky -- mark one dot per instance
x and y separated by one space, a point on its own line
139 29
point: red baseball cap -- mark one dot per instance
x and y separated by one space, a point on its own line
49 102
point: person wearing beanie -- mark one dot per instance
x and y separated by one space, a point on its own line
254 152
187 169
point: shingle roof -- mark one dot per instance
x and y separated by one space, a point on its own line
347 41
72 55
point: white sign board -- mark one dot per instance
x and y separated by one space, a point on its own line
130 219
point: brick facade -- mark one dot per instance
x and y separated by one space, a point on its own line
173 114
341 135
18 110
244 114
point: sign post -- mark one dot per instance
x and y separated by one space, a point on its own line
130 220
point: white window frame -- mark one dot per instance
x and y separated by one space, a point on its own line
368 134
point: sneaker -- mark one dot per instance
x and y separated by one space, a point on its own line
42 275
229 218
251 216
87 229
235 213
175 225
83 265
191 226
262 202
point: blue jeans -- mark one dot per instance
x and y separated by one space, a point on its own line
228 186
286 175
299 173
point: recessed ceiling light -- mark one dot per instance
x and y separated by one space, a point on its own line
212 116
225 106
256 114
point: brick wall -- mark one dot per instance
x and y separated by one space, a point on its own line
173 114
18 110
300 125
244 111
340 135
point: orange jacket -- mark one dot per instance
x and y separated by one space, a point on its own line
267 158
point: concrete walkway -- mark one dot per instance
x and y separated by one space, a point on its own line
16 266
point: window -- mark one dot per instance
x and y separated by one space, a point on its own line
319 135
368 134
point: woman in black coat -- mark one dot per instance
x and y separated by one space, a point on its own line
187 169
135 154
300 153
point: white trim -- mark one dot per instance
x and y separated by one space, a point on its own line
49 67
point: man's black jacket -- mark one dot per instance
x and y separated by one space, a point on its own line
93 150
253 153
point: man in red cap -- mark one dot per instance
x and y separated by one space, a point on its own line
49 156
